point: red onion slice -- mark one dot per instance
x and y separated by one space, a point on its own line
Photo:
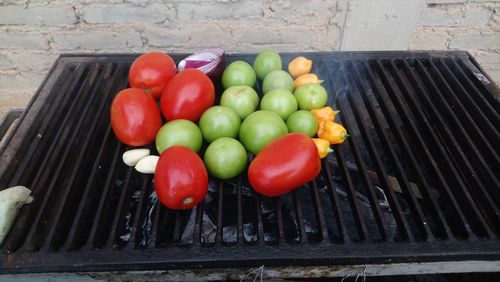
211 61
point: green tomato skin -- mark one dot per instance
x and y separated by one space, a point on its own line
311 96
279 101
266 62
261 128
219 121
242 99
277 79
225 158
302 122
238 73
180 132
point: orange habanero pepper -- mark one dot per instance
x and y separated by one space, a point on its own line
299 66
325 113
323 147
306 79
333 132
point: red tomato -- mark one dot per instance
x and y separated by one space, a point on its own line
181 180
151 72
287 163
135 117
187 96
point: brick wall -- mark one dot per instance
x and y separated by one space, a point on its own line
33 33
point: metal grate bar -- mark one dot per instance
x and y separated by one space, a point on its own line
483 118
442 158
250 216
299 217
351 194
197 226
121 210
318 209
334 202
39 234
279 220
210 217
220 206
27 166
448 114
186 238
65 211
379 217
364 91
95 230
473 131
88 198
230 214
473 92
156 225
382 174
82 210
491 211
485 94
8 124
260 220
396 94
36 235
139 211
423 186
177 228
166 233
239 203
475 218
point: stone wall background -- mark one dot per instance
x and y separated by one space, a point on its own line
33 33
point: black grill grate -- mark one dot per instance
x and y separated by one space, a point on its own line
417 180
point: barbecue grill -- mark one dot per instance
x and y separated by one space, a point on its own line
415 189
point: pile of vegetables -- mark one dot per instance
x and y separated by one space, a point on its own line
287 130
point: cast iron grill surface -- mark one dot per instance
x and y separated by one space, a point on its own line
417 181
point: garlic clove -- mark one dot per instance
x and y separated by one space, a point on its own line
132 157
147 164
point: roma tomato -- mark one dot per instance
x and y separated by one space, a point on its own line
187 95
135 118
181 180
287 163
151 72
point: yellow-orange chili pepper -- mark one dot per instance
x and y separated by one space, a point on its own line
325 113
333 132
323 147
299 66
306 79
